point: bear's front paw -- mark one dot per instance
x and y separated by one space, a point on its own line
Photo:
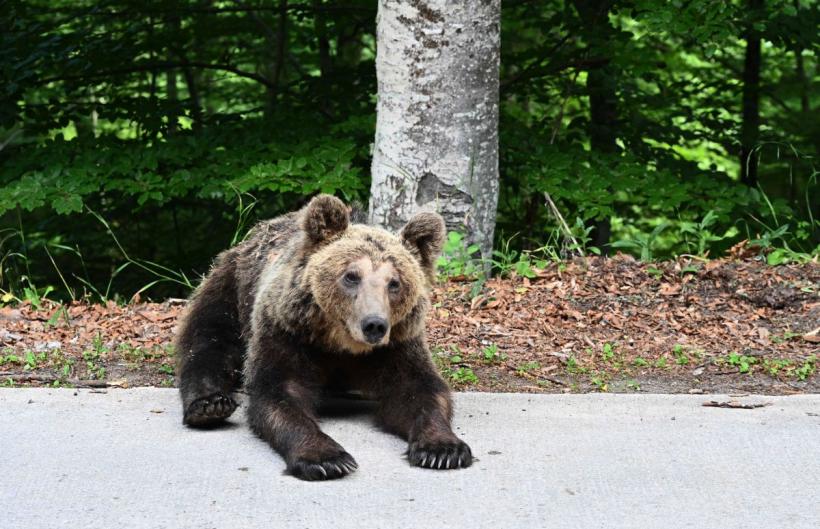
320 468
209 411
440 455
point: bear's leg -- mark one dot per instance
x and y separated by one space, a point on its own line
282 412
209 351
418 407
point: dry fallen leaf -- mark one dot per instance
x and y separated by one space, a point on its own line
813 336
668 289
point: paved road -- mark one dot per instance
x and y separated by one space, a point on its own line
78 459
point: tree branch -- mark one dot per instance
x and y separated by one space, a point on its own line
161 66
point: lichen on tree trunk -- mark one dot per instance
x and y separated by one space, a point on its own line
436 146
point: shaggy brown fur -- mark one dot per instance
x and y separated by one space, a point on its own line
310 302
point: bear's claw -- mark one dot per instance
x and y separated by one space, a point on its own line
209 411
440 455
334 467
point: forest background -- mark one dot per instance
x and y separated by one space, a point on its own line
139 138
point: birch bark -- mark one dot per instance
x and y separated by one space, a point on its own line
436 146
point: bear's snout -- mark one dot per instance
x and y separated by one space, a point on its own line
374 328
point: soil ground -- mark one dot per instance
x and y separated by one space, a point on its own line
595 324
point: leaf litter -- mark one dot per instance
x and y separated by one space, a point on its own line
594 324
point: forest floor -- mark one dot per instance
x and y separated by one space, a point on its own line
687 326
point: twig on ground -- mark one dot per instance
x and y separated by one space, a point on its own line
563 225
735 405
50 379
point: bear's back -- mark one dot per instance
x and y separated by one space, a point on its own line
266 241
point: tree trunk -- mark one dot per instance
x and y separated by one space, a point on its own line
278 64
750 128
436 146
173 98
601 91
323 44
171 81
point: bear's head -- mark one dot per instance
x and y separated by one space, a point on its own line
372 287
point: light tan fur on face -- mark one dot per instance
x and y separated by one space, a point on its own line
372 296
377 256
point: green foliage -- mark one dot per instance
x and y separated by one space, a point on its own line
681 358
139 138
698 236
491 354
672 75
525 368
808 368
782 367
640 362
459 259
608 352
644 243
463 375
742 362
61 174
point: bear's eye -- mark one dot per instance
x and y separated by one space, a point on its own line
351 278
393 285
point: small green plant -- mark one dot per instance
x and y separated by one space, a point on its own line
774 367
35 296
633 385
690 269
573 367
640 362
166 369
699 235
243 214
459 259
644 243
93 356
661 363
680 355
9 359
64 364
788 335
608 352
491 354
654 272
458 356
95 370
600 380
65 370
776 237
582 236
524 369
463 375
807 369
507 260
33 361
55 318
742 362
98 345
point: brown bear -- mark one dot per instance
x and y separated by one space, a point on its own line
311 302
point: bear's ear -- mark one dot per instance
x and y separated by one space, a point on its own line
423 235
324 217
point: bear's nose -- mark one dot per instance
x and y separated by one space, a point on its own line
374 328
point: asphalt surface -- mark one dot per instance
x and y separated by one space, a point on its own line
122 459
